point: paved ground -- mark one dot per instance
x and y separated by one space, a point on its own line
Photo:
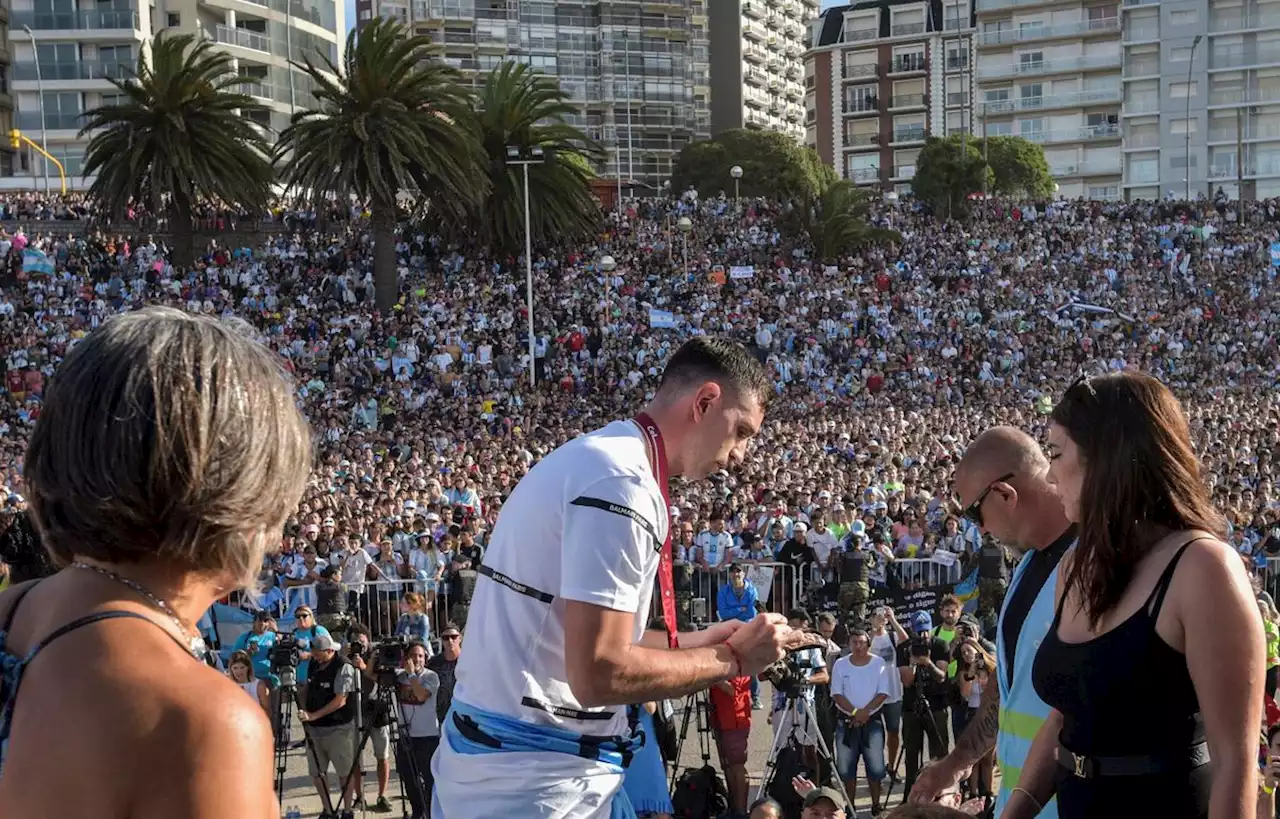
300 793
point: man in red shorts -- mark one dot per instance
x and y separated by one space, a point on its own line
731 717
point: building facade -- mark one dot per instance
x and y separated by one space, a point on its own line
64 52
1202 98
883 75
638 72
7 154
757 64
1050 71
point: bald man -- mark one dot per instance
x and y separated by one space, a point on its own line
1001 483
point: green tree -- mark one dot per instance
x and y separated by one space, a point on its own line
523 109
180 134
392 118
1018 168
773 165
843 226
948 170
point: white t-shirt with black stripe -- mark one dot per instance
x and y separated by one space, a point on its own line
587 524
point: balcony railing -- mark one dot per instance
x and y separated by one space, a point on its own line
1142 68
1238 57
1241 21
902 29
860 71
862 106
853 35
244 38
957 63
915 134
1086 168
864 174
907 101
1143 139
53 120
1101 25
1052 101
1227 133
908 63
1056 65
97 20
1142 106
1082 134
1238 95
904 171
1138 34
956 97
74 70
862 139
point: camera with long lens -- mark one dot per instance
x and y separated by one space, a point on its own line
388 657
791 673
284 658
927 676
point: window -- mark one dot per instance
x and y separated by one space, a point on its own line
1184 17
365 15
999 129
1179 55
1179 162
1182 126
957 58
1031 61
1102 13
1031 126
173 19
1144 169
1030 28
1182 90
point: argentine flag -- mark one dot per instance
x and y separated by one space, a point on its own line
36 262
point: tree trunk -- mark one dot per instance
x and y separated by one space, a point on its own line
184 256
386 279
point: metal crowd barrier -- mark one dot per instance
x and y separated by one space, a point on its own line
779 586
916 572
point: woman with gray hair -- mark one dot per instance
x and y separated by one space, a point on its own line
168 453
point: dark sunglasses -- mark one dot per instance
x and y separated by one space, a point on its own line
973 512
450 636
302 614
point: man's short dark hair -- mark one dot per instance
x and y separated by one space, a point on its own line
766 803
798 614
723 360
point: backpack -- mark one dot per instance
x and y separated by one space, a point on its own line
788 765
700 794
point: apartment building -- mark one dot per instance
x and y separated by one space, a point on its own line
7 155
638 72
64 51
1050 71
757 63
1202 98
881 76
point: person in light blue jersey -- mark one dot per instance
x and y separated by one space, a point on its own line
1002 481
306 631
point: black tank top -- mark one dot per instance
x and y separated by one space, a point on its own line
1125 693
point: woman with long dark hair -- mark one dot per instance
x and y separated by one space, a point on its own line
1155 661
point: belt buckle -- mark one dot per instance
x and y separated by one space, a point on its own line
1078 763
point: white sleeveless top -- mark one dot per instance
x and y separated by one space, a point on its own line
250 688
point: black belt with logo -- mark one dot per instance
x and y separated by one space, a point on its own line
1092 767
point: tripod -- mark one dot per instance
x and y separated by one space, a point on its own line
386 704
698 707
283 717
797 710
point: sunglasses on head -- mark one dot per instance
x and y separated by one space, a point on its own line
973 512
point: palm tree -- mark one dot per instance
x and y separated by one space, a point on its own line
843 225
180 135
519 108
393 118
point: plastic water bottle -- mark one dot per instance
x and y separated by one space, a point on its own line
293 813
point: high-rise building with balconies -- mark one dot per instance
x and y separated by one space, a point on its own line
64 51
8 156
1049 71
757 64
883 75
1201 98
637 72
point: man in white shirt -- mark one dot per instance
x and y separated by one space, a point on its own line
563 600
824 544
859 686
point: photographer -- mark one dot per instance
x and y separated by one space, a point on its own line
328 716
360 656
417 686
922 666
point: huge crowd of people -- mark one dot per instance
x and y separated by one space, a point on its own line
886 362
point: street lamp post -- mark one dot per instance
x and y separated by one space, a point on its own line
44 132
1187 122
684 225
736 173
608 265
524 157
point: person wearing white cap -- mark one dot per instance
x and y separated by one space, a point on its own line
536 728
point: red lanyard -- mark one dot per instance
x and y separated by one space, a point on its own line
658 457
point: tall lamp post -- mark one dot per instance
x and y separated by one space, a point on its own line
684 225
44 131
524 157
1187 121
608 265
736 173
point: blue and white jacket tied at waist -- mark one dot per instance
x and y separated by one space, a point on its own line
474 731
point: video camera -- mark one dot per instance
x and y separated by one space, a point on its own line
791 674
284 658
386 656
